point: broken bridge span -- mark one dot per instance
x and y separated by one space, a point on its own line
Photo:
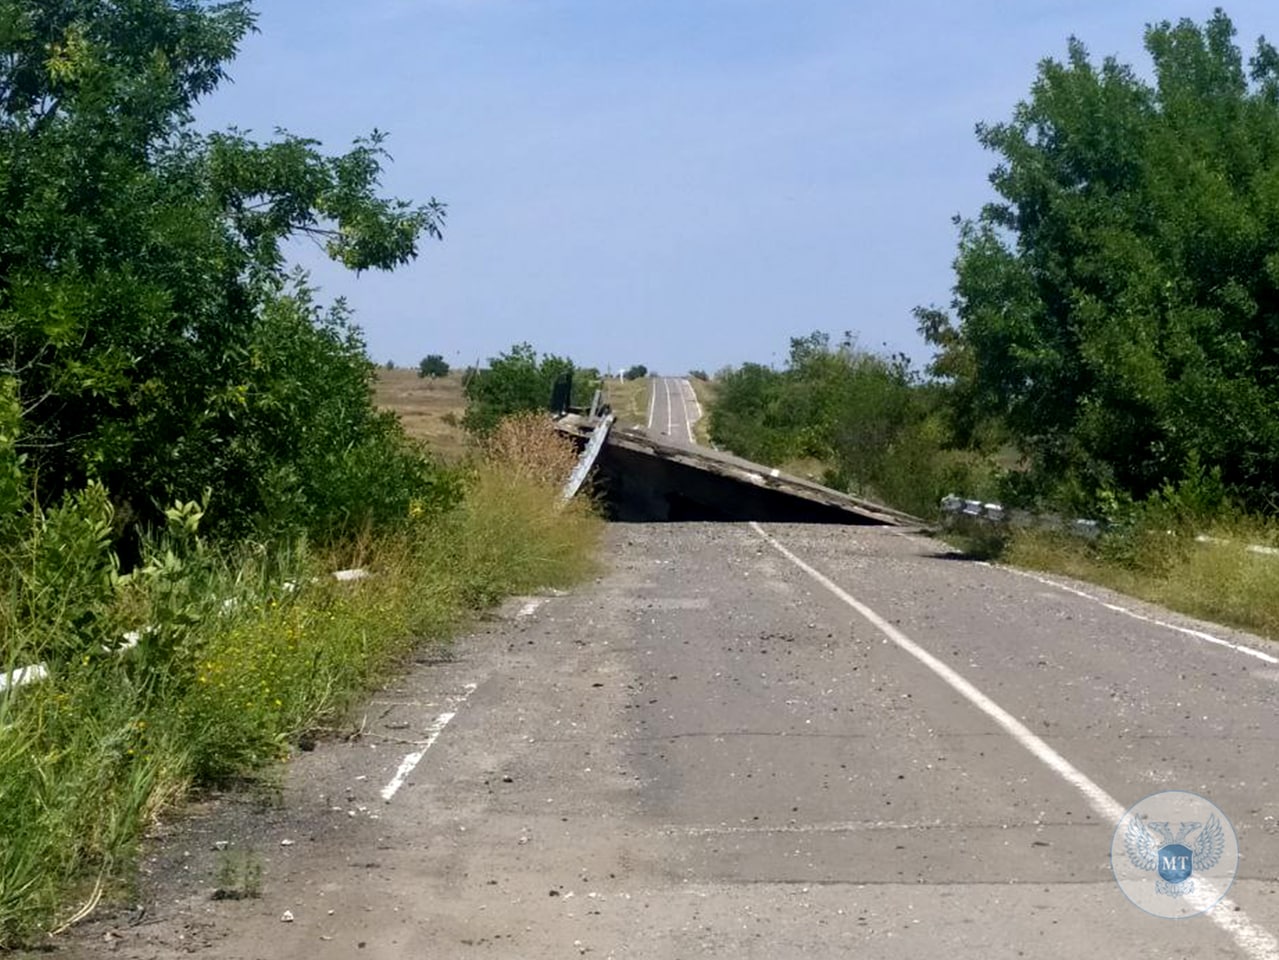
645 475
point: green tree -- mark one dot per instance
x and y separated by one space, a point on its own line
156 338
433 365
1118 306
749 414
586 380
513 382
637 372
870 420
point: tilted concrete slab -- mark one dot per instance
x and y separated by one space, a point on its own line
654 477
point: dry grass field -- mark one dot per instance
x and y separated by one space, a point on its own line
629 400
430 408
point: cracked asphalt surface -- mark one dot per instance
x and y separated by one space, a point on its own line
706 753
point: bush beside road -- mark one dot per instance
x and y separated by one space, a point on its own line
241 658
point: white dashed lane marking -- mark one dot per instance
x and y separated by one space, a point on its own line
433 731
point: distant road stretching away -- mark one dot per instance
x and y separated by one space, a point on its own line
673 409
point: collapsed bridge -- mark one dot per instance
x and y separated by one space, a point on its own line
644 475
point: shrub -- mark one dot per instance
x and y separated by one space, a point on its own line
60 579
1114 306
164 346
243 651
518 381
433 365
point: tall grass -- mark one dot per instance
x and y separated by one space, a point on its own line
525 445
243 655
1185 547
1219 579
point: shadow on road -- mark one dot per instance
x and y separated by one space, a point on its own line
645 490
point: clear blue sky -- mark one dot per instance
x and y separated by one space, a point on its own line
679 183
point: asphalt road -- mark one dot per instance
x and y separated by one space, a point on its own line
673 409
762 742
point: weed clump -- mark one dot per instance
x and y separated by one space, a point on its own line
527 446
206 663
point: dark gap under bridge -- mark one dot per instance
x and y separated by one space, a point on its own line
644 477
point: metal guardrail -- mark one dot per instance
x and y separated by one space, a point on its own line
589 455
954 507
1249 547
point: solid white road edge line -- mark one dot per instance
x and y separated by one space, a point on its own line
670 408
685 391
1114 607
433 732
652 403
697 403
1197 634
683 402
1255 941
